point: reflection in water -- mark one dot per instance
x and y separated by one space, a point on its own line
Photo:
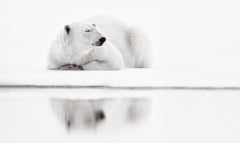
105 112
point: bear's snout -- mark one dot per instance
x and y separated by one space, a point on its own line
100 41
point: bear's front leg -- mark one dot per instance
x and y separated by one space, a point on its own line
106 57
70 67
96 65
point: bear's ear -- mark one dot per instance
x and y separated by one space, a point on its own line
67 29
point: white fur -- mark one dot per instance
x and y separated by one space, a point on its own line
125 46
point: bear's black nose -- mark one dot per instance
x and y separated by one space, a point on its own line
102 40
67 29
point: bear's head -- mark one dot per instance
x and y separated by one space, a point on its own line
82 35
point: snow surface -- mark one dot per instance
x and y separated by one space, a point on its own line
152 77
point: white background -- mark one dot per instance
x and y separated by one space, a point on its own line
184 34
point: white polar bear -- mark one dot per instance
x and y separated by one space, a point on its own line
99 43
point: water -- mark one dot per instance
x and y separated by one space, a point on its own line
94 115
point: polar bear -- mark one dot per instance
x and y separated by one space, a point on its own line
99 43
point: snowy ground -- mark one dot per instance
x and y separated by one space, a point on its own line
175 116
152 77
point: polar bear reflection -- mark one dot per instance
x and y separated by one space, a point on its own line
100 113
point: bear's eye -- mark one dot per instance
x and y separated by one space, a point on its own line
94 25
88 30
